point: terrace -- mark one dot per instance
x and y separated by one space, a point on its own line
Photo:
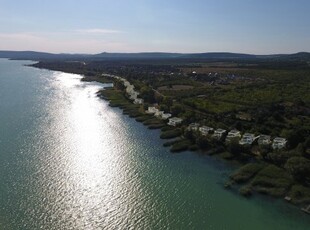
233 134
247 139
279 143
205 130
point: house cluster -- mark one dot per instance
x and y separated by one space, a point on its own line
158 113
245 139
129 88
133 95
173 121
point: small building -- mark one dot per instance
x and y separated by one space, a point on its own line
151 110
133 95
193 127
131 92
129 89
264 140
247 139
233 134
174 121
205 130
127 84
158 113
165 116
279 143
218 133
138 101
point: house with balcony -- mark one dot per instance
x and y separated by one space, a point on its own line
247 139
127 83
151 110
158 113
129 89
279 143
205 130
218 133
233 135
165 116
264 140
174 121
138 101
193 127
133 95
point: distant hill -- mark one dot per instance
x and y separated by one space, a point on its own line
156 55
304 56
147 55
219 55
32 55
208 55
25 54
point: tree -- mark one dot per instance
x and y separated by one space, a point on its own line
300 148
239 126
147 94
295 137
264 150
277 116
119 85
307 142
234 147
164 107
167 101
176 109
189 134
280 157
158 98
203 142
299 167
189 116
299 102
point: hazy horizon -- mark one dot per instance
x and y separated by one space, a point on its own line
133 26
148 52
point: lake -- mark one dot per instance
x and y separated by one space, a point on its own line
69 161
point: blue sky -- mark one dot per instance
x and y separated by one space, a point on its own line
94 26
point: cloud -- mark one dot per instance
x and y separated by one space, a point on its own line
59 43
98 31
19 36
19 41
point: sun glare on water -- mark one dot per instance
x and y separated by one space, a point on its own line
93 161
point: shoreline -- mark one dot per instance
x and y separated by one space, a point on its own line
240 180
233 181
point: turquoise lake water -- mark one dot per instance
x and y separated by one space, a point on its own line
69 161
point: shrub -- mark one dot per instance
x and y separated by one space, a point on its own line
246 172
299 167
171 134
180 146
300 194
272 180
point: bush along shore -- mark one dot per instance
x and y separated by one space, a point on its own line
281 173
